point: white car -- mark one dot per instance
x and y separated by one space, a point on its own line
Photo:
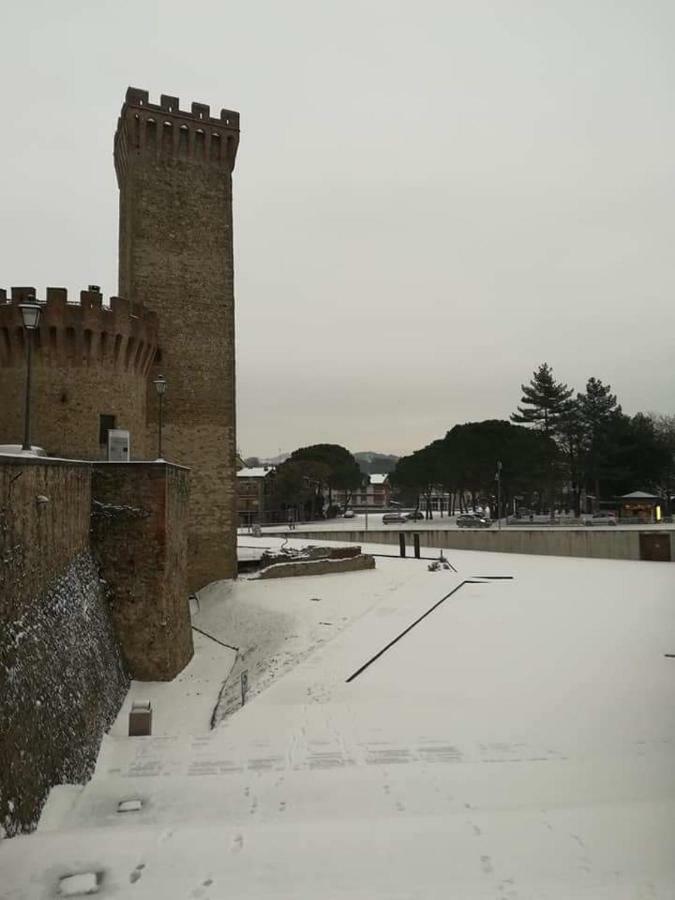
600 519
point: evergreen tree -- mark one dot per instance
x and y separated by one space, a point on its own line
597 410
546 405
545 402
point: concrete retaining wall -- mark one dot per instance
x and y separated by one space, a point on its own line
601 544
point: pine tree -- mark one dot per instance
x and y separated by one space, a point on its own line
545 405
545 402
598 408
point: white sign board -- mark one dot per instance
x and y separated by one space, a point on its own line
119 448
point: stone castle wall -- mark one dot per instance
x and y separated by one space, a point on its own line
139 534
88 360
174 170
90 593
62 680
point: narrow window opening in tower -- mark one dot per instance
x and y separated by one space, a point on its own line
139 354
131 343
118 349
53 339
103 345
150 133
88 340
183 140
167 137
70 343
37 339
215 146
200 143
4 343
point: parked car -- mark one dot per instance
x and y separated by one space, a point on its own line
600 519
416 514
390 517
469 520
348 514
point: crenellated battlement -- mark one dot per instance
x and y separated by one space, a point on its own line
199 112
164 130
121 337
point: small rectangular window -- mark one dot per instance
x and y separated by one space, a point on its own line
105 423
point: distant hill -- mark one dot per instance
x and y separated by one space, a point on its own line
372 463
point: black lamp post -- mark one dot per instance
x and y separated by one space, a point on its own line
30 313
160 387
498 479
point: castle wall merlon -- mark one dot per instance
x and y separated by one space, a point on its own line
19 294
81 333
139 99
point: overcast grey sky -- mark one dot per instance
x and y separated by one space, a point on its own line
431 198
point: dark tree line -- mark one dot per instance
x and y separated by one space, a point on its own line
464 463
557 446
305 482
596 447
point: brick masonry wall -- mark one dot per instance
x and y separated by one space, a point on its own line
139 528
176 257
88 360
62 679
66 404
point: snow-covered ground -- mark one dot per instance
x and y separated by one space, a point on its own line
518 742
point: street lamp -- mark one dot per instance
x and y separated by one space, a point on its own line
30 313
498 479
160 387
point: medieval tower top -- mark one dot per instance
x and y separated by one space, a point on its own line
174 170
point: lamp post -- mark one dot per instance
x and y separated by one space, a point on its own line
498 478
160 387
30 313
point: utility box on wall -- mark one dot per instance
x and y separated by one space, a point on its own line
119 445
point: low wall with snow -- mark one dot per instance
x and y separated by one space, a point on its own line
61 675
612 543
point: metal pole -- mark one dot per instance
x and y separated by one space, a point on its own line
499 504
159 430
499 495
416 541
26 413
401 543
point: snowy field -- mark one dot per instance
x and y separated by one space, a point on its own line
518 742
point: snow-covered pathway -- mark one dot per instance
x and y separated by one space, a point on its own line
518 743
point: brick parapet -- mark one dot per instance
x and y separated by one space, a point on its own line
120 337
164 130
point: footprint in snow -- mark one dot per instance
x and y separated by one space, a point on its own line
136 874
486 865
237 844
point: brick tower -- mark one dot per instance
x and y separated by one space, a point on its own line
174 170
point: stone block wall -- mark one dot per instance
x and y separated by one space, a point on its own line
140 515
62 679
